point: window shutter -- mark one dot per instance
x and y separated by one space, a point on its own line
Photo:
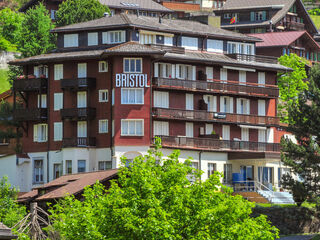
264 15
221 104
209 72
165 99
165 130
261 107
270 133
57 131
231 104
209 128
261 135
35 133
173 71
156 69
189 101
238 106
194 73
248 106
46 132
252 17
214 103
177 71
245 134
189 129
58 71
261 79
123 36
226 132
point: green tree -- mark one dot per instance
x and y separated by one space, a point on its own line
303 156
10 211
291 83
75 11
153 199
36 37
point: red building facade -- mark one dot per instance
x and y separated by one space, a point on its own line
113 84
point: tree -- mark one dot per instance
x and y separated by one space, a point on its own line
36 37
75 11
10 211
291 83
153 199
303 156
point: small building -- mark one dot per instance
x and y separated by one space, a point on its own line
6 233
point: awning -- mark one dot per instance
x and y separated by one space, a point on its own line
239 68
253 127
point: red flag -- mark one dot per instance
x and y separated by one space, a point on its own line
233 20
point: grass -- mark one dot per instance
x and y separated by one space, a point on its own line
305 204
4 84
316 20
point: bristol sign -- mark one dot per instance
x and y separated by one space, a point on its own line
131 80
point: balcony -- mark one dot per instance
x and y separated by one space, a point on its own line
218 145
218 86
253 58
295 26
36 114
30 84
78 83
205 116
78 113
79 142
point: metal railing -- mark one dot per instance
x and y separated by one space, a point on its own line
79 142
202 115
219 145
78 113
78 83
253 58
30 84
218 86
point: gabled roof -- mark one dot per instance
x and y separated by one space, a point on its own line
251 4
5 232
181 6
150 23
68 185
273 39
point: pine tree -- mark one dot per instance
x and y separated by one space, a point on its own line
304 155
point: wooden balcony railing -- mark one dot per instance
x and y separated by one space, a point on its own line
78 83
36 114
202 115
218 145
295 26
171 49
253 58
30 84
78 113
218 86
79 142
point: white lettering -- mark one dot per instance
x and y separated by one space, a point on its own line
146 81
123 80
118 80
132 80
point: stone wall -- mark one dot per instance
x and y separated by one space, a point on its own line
291 220
6 57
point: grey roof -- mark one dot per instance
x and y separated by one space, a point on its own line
132 48
5 232
151 23
225 60
147 5
247 4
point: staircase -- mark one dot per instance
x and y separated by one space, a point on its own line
277 197
253 197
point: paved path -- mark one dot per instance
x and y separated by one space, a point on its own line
300 237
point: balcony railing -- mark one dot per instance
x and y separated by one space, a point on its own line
218 86
218 145
172 49
202 115
253 58
36 114
295 26
78 83
79 142
78 113
30 84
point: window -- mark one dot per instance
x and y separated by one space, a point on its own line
258 16
243 106
112 97
132 65
225 132
261 135
212 167
58 131
40 132
209 72
82 129
56 170
226 104
261 107
103 66
147 38
261 79
132 127
211 102
215 46
242 77
189 101
113 37
92 39
71 40
189 129
187 72
82 70
223 74
132 96
227 173
189 43
165 70
245 134
160 128
103 95
227 15
81 166
42 101
58 71
241 48
38 171
40 71
68 166
168 41
103 126
161 99
82 99
53 14
104 165
58 101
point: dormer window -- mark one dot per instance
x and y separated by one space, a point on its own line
147 38
113 37
92 39
258 16
189 43
71 40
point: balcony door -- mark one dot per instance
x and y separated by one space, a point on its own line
189 129
245 134
261 107
242 77
247 172
82 99
225 132
223 75
265 176
189 101
82 70
209 72
82 129
261 79
211 101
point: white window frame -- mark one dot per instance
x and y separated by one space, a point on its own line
92 39
40 171
85 165
58 131
160 128
103 92
107 37
215 46
83 74
147 38
190 43
58 71
135 65
136 90
103 126
132 120
160 99
43 101
36 132
73 40
66 167
103 66
104 163
57 101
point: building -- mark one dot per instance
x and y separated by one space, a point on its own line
260 16
6 233
140 7
115 83
280 43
